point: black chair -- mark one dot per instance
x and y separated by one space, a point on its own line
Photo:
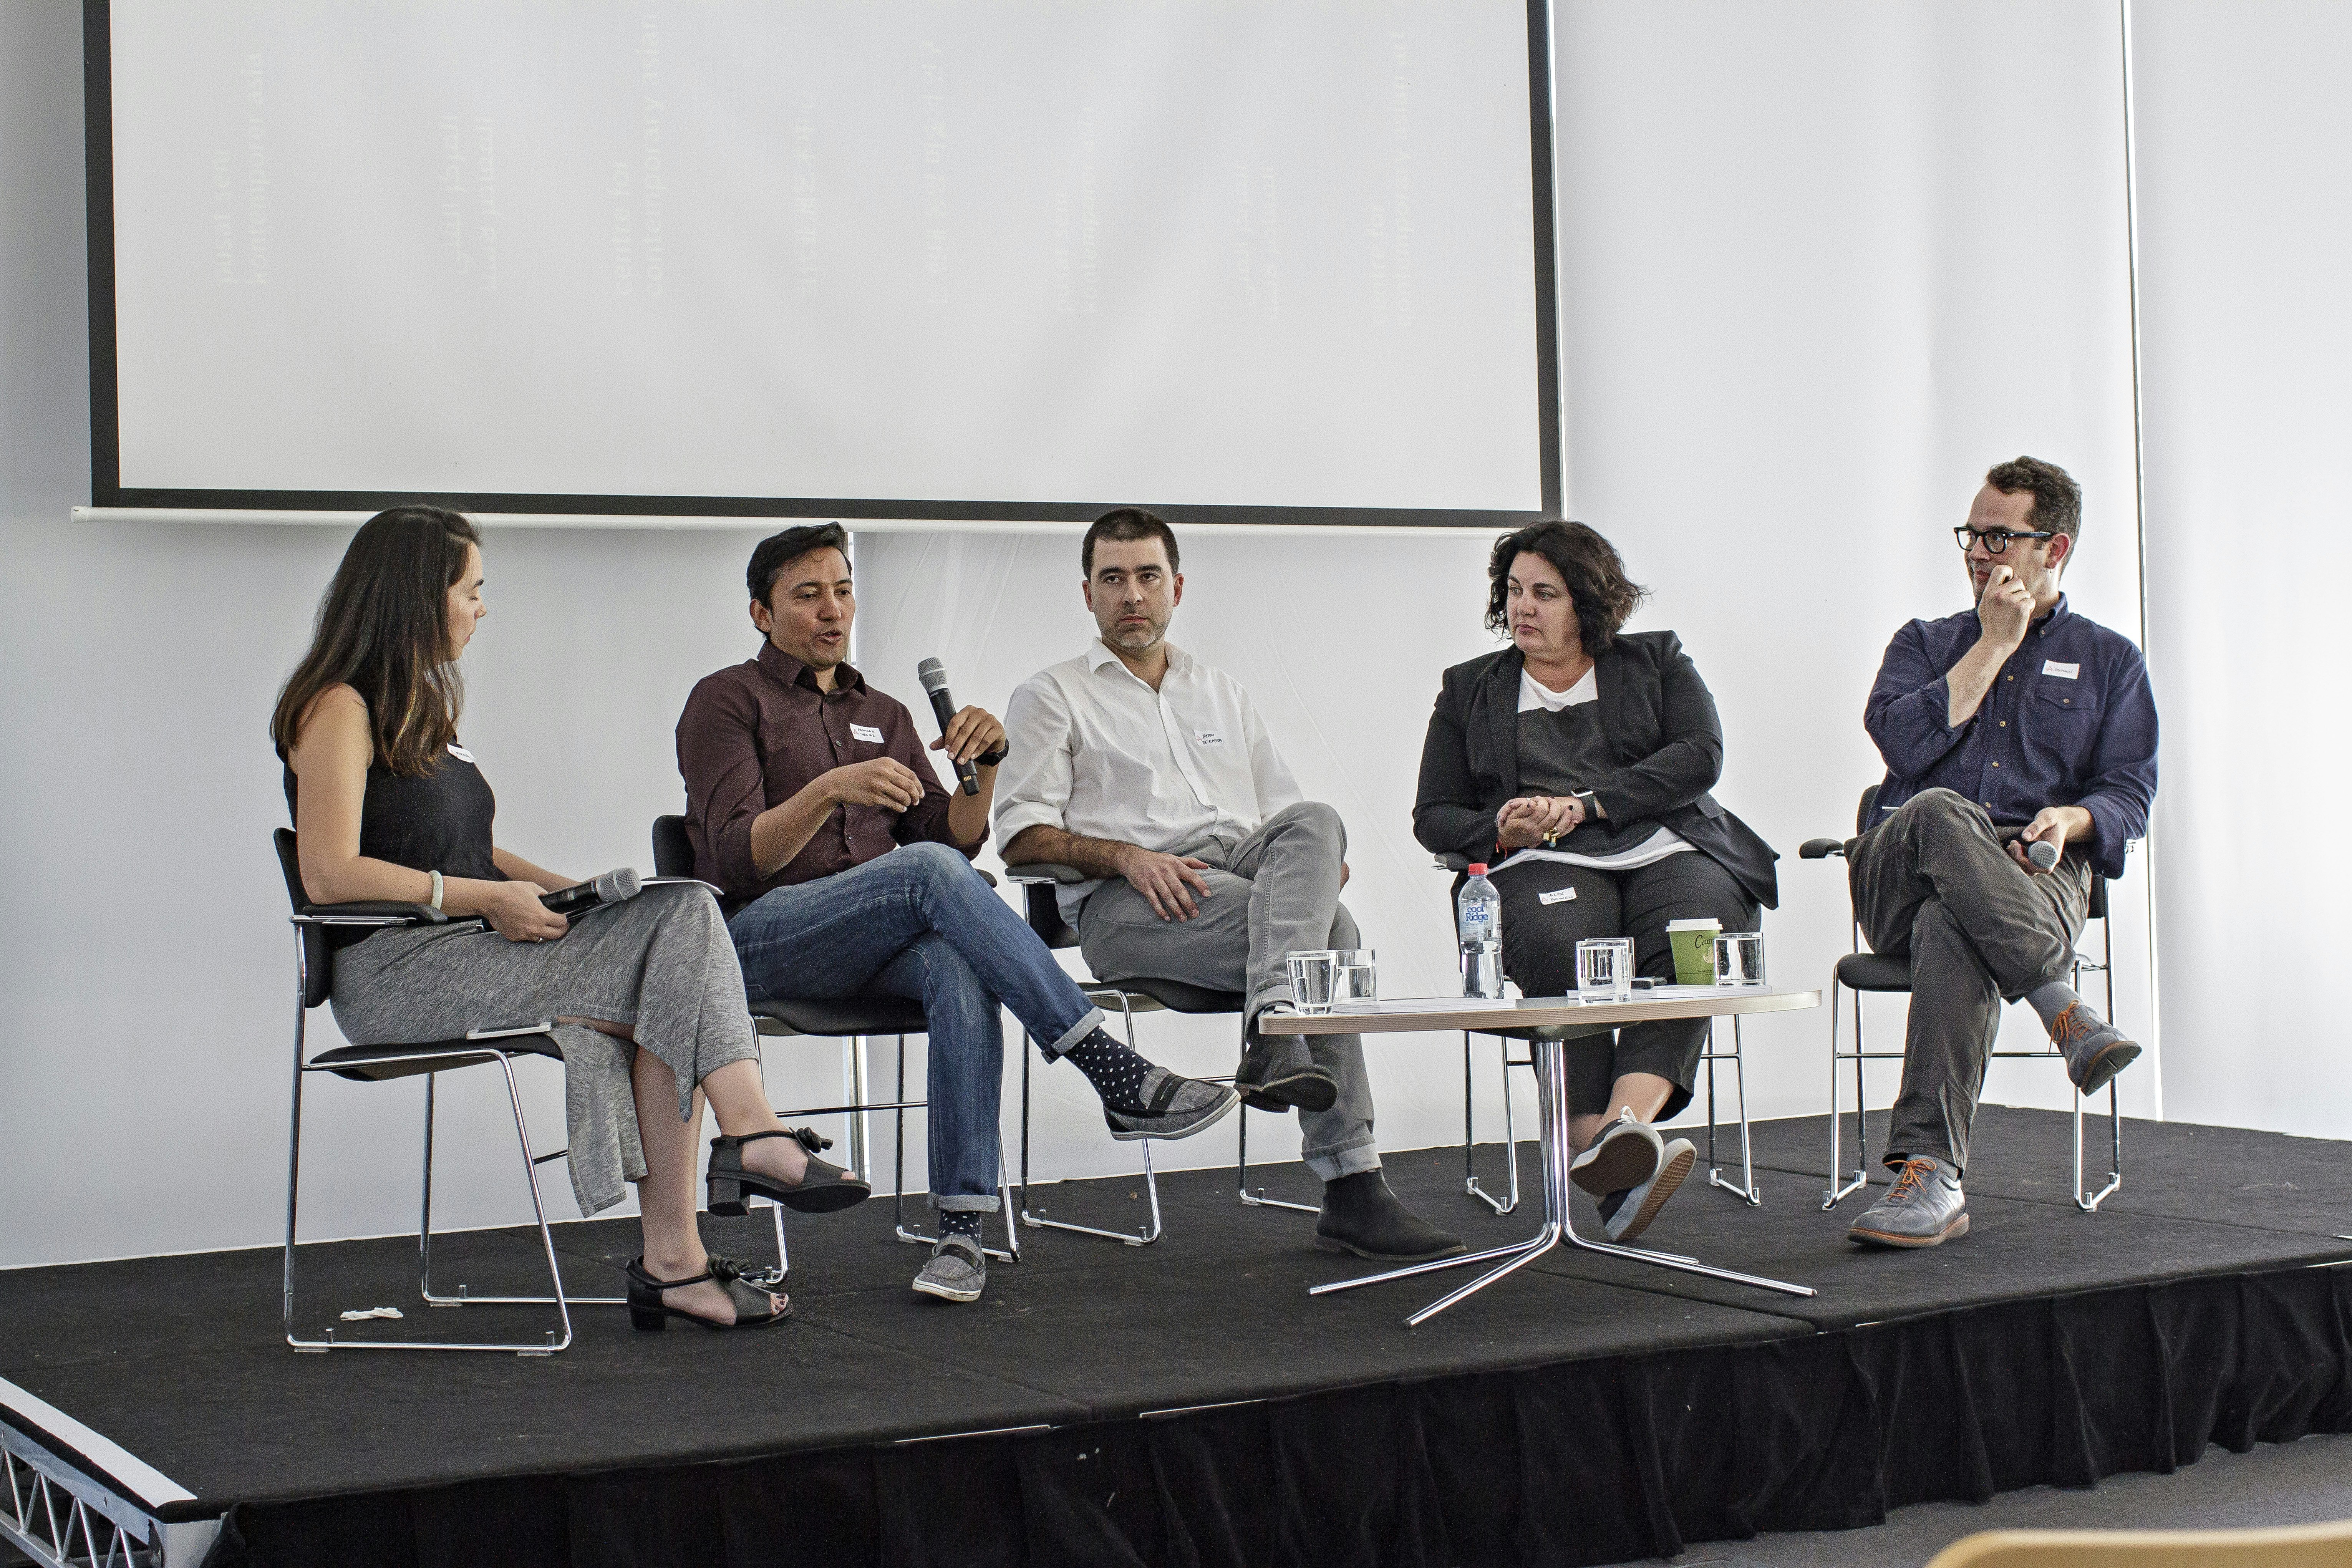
852 1020
1745 1189
1860 972
1037 882
316 927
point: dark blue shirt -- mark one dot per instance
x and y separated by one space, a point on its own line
2070 721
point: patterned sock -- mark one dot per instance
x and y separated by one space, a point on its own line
1116 1071
2051 1000
960 1222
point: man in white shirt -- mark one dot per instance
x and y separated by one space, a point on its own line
1150 773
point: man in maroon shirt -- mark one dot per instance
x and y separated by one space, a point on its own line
846 867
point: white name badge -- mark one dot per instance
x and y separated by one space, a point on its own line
2062 672
460 752
1208 737
866 732
1557 896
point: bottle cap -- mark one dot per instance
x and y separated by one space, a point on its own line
1478 868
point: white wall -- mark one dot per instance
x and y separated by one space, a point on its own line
1822 263
2245 146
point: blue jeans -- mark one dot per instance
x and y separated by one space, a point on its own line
919 923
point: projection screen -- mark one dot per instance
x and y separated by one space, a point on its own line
1241 260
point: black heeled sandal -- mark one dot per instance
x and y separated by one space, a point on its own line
823 1188
648 1314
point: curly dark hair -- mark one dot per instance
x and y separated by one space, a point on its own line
1597 585
2057 499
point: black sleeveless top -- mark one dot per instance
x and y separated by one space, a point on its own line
438 823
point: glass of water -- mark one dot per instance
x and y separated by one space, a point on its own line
1313 976
1739 958
1604 969
1355 975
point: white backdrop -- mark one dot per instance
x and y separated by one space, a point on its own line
1822 264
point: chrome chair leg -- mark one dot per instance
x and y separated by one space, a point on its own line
1011 1251
1837 1192
1470 1134
1746 1189
1257 1200
1038 1219
465 1297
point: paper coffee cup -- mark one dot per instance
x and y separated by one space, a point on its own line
1693 942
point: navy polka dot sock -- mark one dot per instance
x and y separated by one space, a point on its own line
1116 1071
960 1222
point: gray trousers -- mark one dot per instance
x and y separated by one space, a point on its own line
1272 893
1539 951
660 962
1934 884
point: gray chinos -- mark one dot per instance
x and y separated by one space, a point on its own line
660 963
1934 884
1271 894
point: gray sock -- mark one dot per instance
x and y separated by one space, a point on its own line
2051 1000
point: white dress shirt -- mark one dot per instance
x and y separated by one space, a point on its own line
1092 750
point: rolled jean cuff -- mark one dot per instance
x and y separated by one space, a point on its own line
1348 1160
1078 1031
965 1202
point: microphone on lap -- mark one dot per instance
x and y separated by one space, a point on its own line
934 676
2042 853
609 888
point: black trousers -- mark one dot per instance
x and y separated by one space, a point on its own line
1933 883
1539 951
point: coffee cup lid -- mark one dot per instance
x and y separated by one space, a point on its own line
1709 925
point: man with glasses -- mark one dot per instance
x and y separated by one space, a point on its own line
2019 741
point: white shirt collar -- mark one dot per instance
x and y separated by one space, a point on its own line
1098 653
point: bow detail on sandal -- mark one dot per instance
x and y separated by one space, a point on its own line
823 1187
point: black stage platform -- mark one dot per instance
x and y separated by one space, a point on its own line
1188 1403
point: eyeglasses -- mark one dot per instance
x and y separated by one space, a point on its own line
1996 540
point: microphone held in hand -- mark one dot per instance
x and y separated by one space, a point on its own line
609 888
2042 853
934 676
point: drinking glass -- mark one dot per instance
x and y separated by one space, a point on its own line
1739 958
1312 975
1355 976
1604 969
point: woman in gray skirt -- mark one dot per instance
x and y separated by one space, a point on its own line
649 1002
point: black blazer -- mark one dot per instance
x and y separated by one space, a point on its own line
1660 720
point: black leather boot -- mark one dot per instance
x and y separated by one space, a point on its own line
1362 1216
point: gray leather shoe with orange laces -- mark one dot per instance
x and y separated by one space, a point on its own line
1927 1208
2096 1051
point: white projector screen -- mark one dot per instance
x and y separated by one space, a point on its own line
1241 259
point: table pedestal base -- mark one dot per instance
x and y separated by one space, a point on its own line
1558 1229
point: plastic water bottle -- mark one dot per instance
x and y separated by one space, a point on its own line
1478 912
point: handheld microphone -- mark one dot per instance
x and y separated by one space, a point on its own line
609 888
934 676
2042 853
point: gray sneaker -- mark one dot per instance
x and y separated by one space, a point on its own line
958 1270
1927 1208
1627 1215
1626 1154
1172 1106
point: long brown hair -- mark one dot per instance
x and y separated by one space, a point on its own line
383 630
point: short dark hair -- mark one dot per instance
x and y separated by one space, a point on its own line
779 551
1597 585
1126 523
2057 499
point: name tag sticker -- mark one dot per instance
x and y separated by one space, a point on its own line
1557 896
866 732
2062 672
1208 737
460 752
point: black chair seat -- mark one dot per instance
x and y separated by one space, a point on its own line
847 1015
1873 972
374 1064
1180 997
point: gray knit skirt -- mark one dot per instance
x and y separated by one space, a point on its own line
660 963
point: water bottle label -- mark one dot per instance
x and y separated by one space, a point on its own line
1476 921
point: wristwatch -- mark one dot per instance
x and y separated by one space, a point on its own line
989 759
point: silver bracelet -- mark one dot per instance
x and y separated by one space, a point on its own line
436 887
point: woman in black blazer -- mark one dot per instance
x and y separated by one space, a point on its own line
1576 763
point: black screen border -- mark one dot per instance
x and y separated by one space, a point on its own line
107 489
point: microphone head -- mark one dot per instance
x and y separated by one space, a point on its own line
616 885
932 674
2042 853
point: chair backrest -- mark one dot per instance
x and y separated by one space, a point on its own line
1041 903
1863 813
673 850
318 953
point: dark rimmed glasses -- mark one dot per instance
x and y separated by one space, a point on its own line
1996 540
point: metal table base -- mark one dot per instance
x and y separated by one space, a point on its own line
1558 1229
